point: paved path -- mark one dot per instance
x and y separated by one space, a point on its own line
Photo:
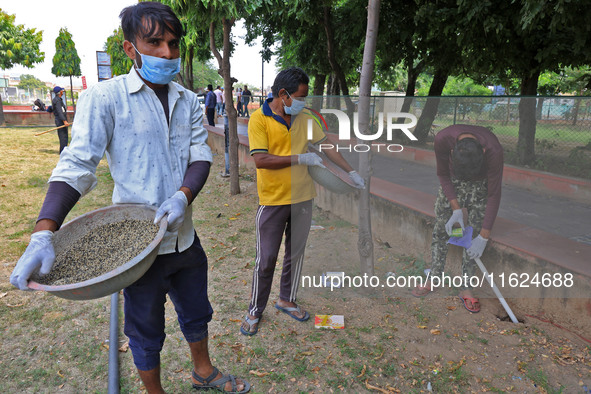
560 216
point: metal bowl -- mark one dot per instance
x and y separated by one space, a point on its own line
333 177
122 276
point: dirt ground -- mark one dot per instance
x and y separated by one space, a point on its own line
391 343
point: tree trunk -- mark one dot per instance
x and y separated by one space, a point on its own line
332 92
1 112
319 81
430 111
539 107
336 67
412 75
72 98
365 241
576 109
224 70
526 141
318 91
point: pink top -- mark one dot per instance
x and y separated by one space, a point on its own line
492 168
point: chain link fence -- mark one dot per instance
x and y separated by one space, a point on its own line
562 127
17 96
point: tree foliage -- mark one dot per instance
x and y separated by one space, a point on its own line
29 81
215 19
120 62
66 61
17 44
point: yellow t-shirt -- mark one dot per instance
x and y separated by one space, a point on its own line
268 133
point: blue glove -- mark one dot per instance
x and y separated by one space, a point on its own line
39 255
477 247
310 159
357 180
175 207
456 217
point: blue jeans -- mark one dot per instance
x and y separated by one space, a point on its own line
219 108
183 276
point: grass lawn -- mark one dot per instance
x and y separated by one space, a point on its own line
390 344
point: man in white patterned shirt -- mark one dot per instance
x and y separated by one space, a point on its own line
151 131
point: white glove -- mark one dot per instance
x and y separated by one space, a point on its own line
477 248
175 207
310 159
357 179
456 217
39 255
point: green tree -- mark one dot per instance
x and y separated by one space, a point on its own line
120 62
214 19
522 39
30 82
324 38
66 61
17 44
204 73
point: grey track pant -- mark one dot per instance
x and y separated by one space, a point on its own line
271 223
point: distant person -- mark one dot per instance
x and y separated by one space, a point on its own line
210 104
246 96
219 100
278 139
39 105
239 101
61 119
226 172
470 170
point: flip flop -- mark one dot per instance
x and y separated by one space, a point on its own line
250 323
290 309
421 291
219 384
473 301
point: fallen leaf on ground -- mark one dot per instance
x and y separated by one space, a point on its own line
435 332
362 371
370 387
124 347
236 320
422 327
258 373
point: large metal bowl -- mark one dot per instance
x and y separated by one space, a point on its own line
118 278
333 177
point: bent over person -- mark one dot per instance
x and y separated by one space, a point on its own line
157 157
470 171
278 138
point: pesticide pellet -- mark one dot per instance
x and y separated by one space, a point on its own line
102 250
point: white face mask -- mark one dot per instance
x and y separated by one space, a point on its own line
297 105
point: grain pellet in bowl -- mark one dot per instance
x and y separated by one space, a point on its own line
102 250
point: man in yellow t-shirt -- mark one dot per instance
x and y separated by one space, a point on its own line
278 143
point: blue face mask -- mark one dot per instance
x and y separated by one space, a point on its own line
158 70
296 106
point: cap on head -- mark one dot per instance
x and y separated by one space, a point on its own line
57 89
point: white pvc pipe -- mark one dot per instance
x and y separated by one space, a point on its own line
496 290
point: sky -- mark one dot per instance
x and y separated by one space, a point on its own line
90 22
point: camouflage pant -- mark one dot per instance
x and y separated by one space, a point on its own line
471 195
